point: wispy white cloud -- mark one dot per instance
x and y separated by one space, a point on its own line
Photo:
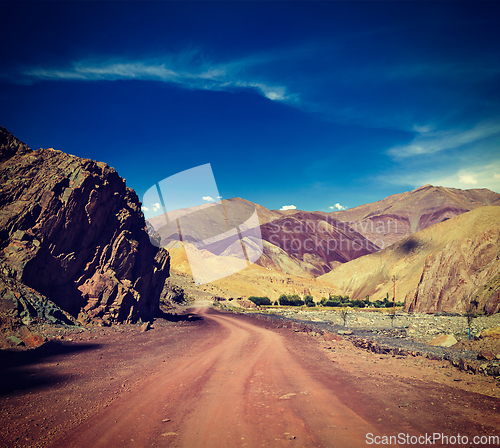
156 206
428 141
288 207
485 176
188 70
145 209
208 198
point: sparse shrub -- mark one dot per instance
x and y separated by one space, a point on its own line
358 303
471 314
260 300
330 302
343 314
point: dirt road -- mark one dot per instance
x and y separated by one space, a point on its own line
223 380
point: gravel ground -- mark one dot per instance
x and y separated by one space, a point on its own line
410 335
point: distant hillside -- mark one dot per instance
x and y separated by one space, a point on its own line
398 216
254 280
310 242
304 244
439 268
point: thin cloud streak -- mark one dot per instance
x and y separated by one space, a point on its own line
188 74
430 142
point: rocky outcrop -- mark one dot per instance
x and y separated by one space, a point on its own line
24 305
457 274
71 230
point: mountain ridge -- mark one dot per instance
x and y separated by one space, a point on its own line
440 268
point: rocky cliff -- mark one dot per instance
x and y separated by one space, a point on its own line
73 232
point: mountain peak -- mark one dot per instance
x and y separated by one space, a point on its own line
424 187
10 145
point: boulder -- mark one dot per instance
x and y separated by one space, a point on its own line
491 333
73 233
331 337
245 303
445 340
486 354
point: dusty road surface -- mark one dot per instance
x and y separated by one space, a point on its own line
223 380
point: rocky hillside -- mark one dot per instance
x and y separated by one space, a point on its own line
398 216
440 268
71 231
310 244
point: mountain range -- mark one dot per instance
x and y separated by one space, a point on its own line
357 252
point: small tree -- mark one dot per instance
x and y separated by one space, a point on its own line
343 314
309 300
471 314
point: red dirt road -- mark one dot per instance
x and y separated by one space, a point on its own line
227 381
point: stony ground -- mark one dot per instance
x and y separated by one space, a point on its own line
408 334
420 327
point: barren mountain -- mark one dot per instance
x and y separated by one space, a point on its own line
312 243
304 244
440 268
253 280
398 216
309 244
73 232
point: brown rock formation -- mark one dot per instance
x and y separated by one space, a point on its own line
73 231
452 276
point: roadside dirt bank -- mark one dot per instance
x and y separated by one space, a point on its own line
209 379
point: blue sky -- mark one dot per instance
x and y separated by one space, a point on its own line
317 105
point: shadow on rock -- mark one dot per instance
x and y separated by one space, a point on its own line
178 317
409 245
15 371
